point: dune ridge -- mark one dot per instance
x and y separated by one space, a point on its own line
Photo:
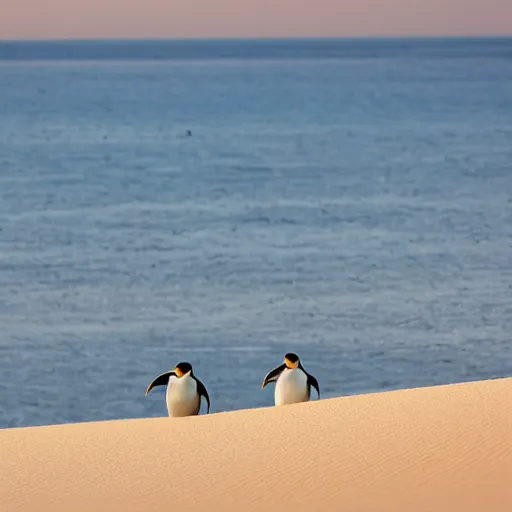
443 448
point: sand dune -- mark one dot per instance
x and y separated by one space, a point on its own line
446 448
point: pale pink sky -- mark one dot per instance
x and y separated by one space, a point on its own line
34 19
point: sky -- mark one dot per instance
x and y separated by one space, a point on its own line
110 19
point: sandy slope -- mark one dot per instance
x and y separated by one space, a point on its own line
445 448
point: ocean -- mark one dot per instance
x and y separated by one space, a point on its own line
348 200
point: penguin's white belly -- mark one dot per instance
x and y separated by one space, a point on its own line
182 397
291 387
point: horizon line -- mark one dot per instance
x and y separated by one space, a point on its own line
432 37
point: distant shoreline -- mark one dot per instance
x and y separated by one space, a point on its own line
248 48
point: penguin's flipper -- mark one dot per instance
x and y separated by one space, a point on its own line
313 382
273 375
201 390
161 380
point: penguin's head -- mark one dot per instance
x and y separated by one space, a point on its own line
291 360
182 369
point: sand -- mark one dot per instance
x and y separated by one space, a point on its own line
445 448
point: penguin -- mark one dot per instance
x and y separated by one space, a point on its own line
293 382
184 391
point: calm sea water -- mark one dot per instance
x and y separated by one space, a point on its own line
347 200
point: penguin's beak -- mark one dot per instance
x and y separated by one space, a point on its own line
272 375
291 364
